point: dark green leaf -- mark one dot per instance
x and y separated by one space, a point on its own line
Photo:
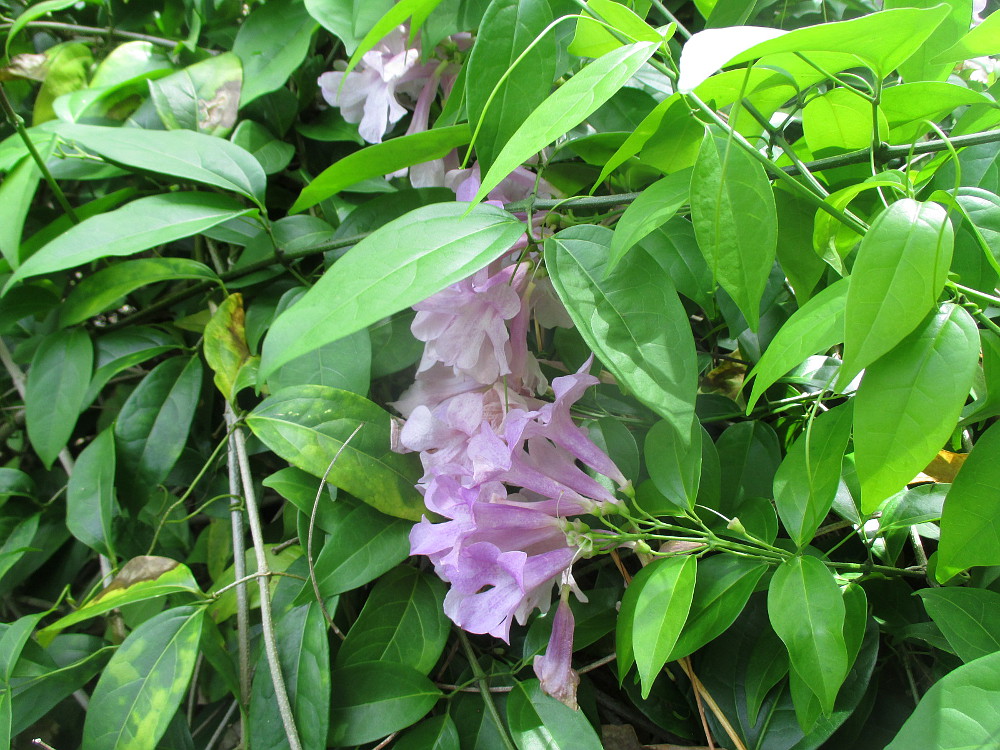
632 319
137 226
272 154
900 270
144 682
124 348
307 425
402 622
908 403
374 699
436 733
344 364
56 388
507 28
674 247
90 495
735 220
969 619
660 613
674 462
398 265
272 42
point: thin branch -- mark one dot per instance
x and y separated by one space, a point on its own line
484 690
267 623
240 570
76 28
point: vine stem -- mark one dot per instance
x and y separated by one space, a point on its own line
267 623
484 690
58 26
239 569
15 119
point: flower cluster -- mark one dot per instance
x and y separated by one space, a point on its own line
502 467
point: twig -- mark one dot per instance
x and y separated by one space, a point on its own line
239 570
217 735
385 743
597 664
484 690
58 26
312 528
699 689
267 623
686 666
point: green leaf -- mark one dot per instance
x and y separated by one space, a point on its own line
631 318
20 533
674 247
184 154
124 348
304 655
402 622
722 588
970 522
90 495
272 42
807 612
144 683
840 120
396 266
344 364
570 105
103 290
624 646
907 106
383 543
660 613
56 386
807 480
203 97
140 579
415 10
749 456
969 619
17 191
436 733
958 712
14 482
272 155
307 425
593 39
980 40
137 226
33 13
154 422
900 270
507 28
374 699
813 328
919 67
537 720
908 403
674 461
654 207
735 220
880 41
380 159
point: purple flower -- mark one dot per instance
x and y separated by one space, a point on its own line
555 668
368 96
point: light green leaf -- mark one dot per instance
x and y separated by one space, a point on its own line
415 10
204 97
958 712
980 41
908 403
144 683
807 480
807 612
304 655
55 391
402 622
970 522
137 226
539 721
624 645
374 699
735 220
380 159
969 619
101 291
307 425
507 28
272 42
17 191
398 265
632 319
184 154
654 206
901 267
593 39
140 579
813 328
922 65
90 495
570 105
660 613
840 120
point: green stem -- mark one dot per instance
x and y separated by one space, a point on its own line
15 119
484 690
75 28
672 18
